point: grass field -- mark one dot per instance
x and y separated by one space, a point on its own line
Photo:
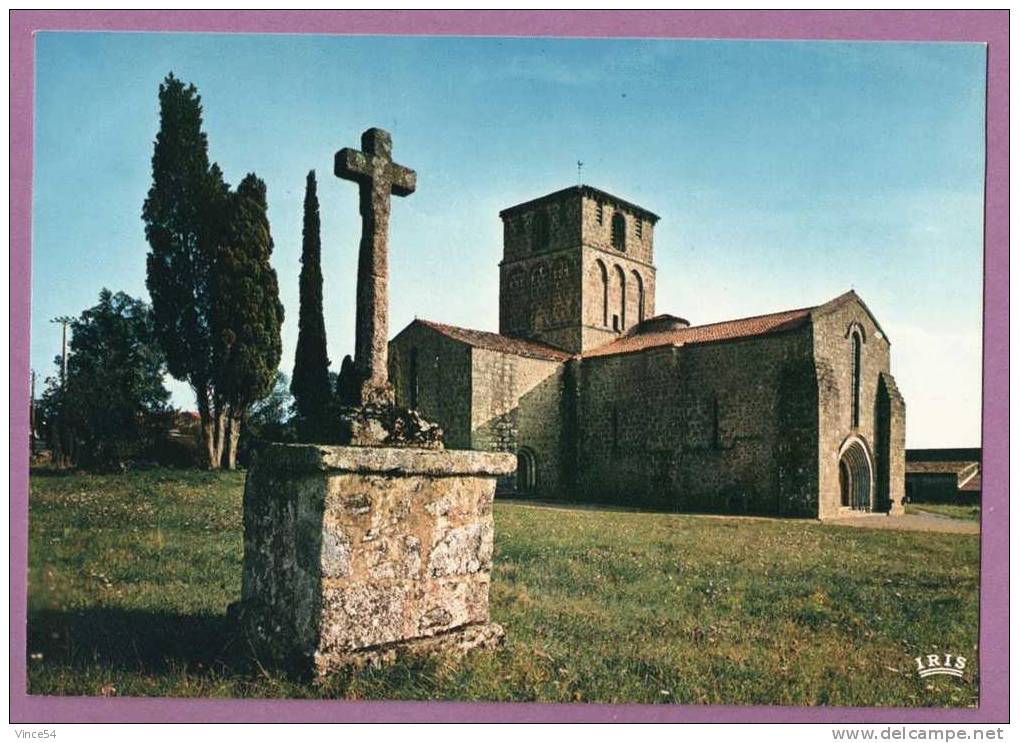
969 513
130 576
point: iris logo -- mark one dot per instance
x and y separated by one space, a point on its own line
939 665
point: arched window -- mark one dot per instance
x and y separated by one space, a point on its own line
638 284
857 343
413 382
619 231
620 280
602 275
527 471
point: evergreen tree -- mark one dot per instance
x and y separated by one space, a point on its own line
347 383
310 385
247 313
181 214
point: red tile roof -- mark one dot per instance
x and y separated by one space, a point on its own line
746 327
634 341
496 342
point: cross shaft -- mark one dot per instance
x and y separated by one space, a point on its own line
378 177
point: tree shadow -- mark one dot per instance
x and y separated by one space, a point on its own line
49 471
135 640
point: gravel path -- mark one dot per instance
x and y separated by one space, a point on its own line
910 522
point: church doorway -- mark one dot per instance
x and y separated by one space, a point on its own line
856 477
527 471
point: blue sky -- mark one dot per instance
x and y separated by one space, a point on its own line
785 173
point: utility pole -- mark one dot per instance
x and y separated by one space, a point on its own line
63 320
60 454
31 417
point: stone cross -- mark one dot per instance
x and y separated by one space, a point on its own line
378 176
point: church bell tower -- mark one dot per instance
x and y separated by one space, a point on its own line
577 269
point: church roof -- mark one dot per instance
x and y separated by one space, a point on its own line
583 190
746 327
496 342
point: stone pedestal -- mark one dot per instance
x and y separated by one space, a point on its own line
352 554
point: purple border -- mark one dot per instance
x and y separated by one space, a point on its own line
973 26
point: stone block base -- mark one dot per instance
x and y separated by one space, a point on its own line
457 643
354 554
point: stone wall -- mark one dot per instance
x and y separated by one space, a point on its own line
833 330
516 403
716 427
596 228
350 552
540 298
443 380
548 227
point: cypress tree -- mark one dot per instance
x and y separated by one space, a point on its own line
180 215
310 381
347 383
247 313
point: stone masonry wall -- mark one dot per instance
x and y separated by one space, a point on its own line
547 228
716 427
597 229
516 403
443 380
539 298
350 550
833 348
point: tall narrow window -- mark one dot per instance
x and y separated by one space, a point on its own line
638 284
640 228
599 211
620 279
413 382
619 231
857 353
603 276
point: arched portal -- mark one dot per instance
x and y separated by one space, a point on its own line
856 476
527 471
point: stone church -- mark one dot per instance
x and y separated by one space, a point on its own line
790 413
